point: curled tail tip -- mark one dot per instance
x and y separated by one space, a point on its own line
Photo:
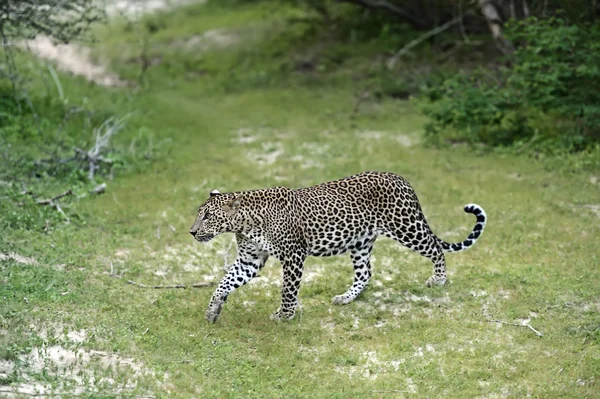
475 233
477 211
473 208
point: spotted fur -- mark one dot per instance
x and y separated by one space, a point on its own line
328 219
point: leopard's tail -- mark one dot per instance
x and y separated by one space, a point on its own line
475 234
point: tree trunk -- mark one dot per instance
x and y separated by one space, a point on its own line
490 12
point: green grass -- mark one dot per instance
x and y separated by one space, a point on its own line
538 258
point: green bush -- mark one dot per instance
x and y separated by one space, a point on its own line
548 98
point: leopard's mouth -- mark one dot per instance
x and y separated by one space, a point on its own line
204 238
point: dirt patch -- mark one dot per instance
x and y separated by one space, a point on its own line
214 38
406 140
18 258
68 370
75 58
76 370
594 208
267 155
370 366
72 58
133 8
305 156
246 136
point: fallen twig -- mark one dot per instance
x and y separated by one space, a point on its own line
51 200
201 284
524 324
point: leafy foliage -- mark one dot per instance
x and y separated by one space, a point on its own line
61 19
548 98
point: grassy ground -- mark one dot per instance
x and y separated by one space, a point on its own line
536 263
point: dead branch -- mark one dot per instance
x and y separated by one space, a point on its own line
51 200
392 61
201 284
103 135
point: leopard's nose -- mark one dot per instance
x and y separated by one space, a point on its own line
193 232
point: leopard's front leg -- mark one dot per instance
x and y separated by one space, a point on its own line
292 275
249 261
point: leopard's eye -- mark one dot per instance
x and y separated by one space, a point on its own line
206 216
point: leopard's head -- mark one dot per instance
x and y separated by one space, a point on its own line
216 215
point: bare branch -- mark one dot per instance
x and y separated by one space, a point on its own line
103 135
59 209
392 61
51 200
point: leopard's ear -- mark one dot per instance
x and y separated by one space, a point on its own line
214 192
233 206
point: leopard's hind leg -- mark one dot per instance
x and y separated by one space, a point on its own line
361 259
422 241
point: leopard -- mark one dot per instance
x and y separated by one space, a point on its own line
327 219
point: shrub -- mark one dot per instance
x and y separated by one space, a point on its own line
548 98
